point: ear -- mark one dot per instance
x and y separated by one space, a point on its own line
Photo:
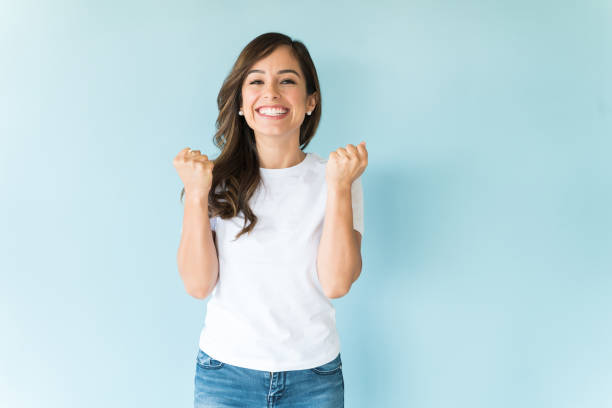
311 101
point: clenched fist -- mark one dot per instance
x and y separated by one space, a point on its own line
195 170
345 165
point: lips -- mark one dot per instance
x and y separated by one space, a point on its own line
272 107
276 107
273 117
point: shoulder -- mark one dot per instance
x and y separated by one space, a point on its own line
316 158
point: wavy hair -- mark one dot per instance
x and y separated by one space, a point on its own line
236 170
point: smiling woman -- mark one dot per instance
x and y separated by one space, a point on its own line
274 101
271 68
270 332
255 86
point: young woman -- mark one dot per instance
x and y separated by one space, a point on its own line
273 233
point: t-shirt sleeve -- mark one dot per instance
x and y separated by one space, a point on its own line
357 204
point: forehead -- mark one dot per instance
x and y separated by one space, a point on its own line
280 58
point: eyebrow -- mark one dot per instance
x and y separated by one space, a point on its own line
282 71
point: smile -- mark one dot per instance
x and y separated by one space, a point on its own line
272 113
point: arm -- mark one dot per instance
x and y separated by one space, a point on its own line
197 259
339 253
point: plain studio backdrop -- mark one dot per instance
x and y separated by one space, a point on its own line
487 253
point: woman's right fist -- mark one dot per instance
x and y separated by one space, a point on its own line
195 170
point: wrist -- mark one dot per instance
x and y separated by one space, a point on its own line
338 188
199 197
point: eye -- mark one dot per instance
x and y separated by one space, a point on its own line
285 80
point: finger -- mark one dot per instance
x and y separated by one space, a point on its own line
363 152
203 158
352 150
342 153
193 155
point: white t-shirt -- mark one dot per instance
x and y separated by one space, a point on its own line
268 311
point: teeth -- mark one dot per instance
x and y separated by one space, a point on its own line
272 111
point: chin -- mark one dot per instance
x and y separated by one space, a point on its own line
273 132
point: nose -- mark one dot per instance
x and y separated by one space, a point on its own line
271 91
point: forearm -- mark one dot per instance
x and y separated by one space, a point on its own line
338 258
197 259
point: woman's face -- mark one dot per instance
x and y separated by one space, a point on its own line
277 82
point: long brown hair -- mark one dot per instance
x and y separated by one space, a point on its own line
236 169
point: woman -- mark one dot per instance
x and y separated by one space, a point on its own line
281 237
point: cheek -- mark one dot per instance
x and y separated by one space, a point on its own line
247 98
297 97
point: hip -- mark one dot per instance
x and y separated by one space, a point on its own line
219 384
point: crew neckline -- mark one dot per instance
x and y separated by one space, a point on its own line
287 170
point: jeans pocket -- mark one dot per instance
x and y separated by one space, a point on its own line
332 367
205 361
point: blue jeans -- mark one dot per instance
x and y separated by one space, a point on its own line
219 384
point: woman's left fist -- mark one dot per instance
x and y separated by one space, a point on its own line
345 165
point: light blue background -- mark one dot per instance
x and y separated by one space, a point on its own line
487 249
